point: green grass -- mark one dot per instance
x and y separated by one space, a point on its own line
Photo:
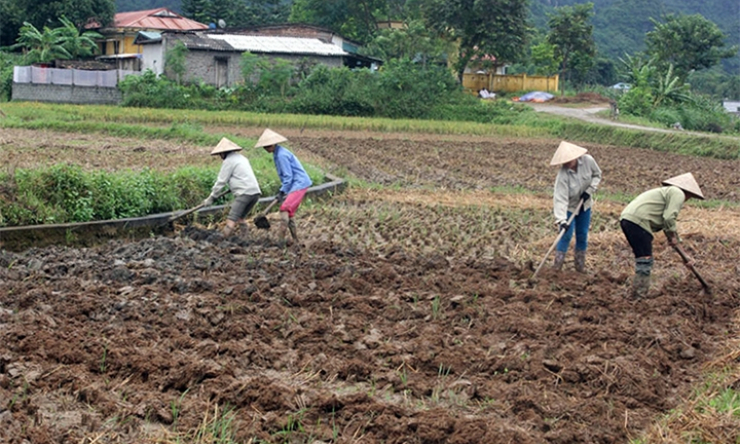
188 124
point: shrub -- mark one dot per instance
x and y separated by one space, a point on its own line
667 116
401 89
65 193
7 61
638 101
501 112
406 89
336 91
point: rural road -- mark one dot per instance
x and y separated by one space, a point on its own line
589 114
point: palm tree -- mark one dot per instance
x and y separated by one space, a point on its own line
41 47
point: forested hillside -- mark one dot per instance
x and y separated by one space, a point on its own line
620 25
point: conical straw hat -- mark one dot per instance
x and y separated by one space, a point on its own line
269 137
224 146
687 183
567 152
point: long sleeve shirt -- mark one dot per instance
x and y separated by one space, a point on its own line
290 171
236 171
570 184
656 209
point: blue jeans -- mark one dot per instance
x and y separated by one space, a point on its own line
580 224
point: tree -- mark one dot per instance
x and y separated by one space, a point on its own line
197 10
263 12
226 10
354 19
64 42
413 42
78 45
688 42
174 61
10 22
496 28
41 46
572 36
544 59
43 13
80 12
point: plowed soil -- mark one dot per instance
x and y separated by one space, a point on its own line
407 316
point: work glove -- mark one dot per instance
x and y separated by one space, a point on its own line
208 201
281 196
562 226
585 196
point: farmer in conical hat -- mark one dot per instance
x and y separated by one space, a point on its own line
236 172
577 180
294 181
652 211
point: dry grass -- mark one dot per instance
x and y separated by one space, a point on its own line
712 415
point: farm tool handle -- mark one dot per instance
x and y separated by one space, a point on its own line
557 239
194 209
691 267
267 210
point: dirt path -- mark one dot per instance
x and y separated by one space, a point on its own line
590 114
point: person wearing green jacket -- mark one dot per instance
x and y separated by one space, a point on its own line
653 211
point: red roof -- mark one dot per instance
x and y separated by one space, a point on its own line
160 18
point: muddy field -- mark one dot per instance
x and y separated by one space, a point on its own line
408 316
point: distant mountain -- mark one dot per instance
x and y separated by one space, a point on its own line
620 25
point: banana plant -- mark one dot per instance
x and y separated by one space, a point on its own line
670 88
78 45
41 46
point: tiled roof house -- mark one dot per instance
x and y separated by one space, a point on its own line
119 37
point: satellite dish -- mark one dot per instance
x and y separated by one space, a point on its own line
221 23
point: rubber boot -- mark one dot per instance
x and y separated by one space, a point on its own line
580 261
641 281
291 227
559 260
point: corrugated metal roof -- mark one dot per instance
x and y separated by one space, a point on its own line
282 45
199 41
160 18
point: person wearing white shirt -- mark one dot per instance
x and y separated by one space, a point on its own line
236 172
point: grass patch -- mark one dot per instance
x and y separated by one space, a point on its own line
187 125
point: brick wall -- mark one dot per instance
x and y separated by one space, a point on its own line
32 92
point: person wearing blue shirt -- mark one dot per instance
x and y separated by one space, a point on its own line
294 181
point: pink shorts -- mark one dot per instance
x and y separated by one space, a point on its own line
293 201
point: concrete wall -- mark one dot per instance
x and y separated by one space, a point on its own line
153 58
204 65
65 94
